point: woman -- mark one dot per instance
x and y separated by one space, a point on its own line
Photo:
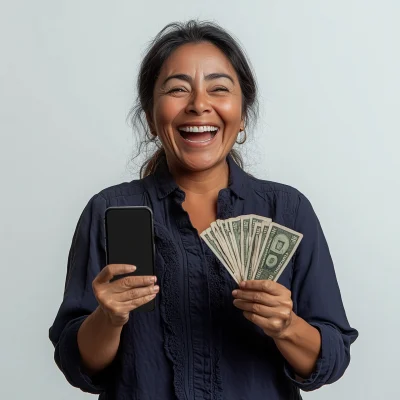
207 338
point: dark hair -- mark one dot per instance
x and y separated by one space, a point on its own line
167 40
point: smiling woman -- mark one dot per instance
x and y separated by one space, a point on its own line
187 67
207 338
197 87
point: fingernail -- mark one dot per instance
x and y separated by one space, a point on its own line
242 284
132 268
155 279
234 293
156 288
152 279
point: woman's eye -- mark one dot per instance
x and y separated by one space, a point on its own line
181 90
221 88
176 90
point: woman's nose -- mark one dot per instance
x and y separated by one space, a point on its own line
198 103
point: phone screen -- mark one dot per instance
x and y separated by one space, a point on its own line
129 240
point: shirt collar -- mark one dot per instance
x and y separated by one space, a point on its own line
165 183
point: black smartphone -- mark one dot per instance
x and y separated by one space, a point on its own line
130 240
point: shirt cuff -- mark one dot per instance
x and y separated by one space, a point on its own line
70 362
318 376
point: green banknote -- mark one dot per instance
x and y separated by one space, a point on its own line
235 231
245 238
211 241
276 252
256 235
252 246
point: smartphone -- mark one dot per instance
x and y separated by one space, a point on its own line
129 239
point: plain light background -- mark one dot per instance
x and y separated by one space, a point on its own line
328 75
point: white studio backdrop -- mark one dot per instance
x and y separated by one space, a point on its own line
328 75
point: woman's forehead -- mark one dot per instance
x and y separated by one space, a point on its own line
197 57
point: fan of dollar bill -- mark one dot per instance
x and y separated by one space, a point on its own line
252 246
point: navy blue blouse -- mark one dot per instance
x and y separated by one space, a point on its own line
196 344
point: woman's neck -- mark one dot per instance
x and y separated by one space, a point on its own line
202 183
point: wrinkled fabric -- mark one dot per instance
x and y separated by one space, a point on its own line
196 345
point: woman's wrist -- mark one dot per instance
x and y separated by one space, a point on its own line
289 333
104 319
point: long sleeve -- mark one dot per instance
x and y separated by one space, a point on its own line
85 260
317 299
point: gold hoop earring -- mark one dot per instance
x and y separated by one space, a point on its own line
243 140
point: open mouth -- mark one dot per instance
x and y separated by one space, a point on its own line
198 134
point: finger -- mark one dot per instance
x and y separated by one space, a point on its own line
271 326
266 286
110 270
263 311
137 293
130 282
256 319
257 297
133 304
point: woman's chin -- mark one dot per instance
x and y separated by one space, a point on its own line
199 161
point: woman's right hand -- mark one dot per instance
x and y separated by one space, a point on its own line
117 298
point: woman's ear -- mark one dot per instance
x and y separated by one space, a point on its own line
151 124
242 125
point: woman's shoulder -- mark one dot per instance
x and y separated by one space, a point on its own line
283 198
269 188
134 188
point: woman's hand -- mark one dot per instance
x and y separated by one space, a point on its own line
116 299
266 303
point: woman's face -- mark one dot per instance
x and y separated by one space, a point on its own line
196 93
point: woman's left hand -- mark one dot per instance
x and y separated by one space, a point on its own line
267 304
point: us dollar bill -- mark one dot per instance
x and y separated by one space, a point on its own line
217 233
245 238
263 236
211 241
226 234
253 249
256 221
252 246
276 252
234 231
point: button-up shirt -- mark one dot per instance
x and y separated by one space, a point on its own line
196 344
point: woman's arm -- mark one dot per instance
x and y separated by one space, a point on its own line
268 304
316 346
99 335
86 256
98 341
300 344
317 300
86 331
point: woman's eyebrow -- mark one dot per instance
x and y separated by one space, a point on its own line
188 78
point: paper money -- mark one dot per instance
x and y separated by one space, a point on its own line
212 242
252 246
277 250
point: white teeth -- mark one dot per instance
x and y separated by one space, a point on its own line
198 128
198 141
